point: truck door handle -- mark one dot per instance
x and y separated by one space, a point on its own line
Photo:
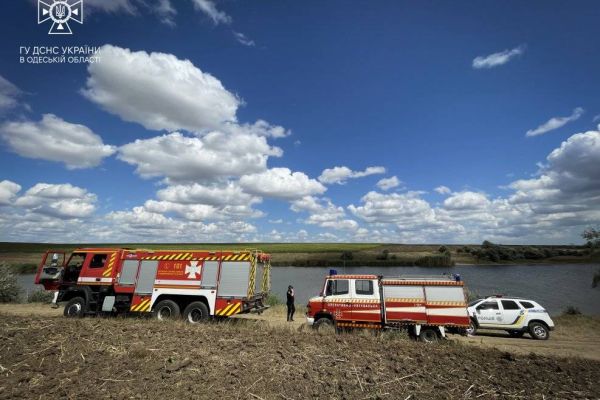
97 279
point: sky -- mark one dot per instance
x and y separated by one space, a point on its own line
280 121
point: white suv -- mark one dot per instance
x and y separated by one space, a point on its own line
514 315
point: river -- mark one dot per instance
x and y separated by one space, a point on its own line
554 286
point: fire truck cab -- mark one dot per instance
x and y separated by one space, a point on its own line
194 284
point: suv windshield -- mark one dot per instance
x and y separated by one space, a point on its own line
471 304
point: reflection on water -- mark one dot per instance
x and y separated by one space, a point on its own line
554 286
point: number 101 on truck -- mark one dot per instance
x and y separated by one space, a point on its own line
193 284
426 306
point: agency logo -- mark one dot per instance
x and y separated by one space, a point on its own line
60 12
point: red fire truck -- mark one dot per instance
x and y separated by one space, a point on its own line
427 307
194 284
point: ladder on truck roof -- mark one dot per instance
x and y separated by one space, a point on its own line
445 277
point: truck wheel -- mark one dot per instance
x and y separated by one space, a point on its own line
166 309
75 308
195 312
472 329
516 334
324 325
539 331
428 335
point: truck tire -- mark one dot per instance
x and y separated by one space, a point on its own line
539 331
428 335
165 310
195 312
516 334
75 308
324 325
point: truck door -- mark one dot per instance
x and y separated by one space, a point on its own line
338 300
94 268
511 313
488 313
365 301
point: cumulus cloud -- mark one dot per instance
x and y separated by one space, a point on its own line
229 194
259 128
466 201
9 94
209 8
340 175
62 201
166 12
388 183
8 191
497 59
324 213
555 123
443 190
111 6
54 139
183 159
158 91
281 183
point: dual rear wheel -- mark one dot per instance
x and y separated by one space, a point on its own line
194 313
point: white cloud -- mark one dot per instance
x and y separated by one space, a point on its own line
229 194
158 91
497 59
596 118
209 8
9 94
111 6
324 213
259 128
443 190
276 221
339 175
165 11
466 201
54 139
555 123
388 183
216 155
8 191
281 183
243 39
63 201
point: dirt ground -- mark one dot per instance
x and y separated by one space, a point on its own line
43 355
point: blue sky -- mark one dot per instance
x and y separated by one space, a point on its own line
377 121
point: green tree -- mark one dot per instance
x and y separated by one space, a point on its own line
592 236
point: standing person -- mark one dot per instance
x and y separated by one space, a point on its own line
291 309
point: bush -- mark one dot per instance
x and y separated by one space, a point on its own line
437 260
443 249
347 255
40 296
10 291
384 255
572 310
273 300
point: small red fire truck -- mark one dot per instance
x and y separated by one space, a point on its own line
427 306
194 284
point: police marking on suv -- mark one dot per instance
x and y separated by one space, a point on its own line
514 315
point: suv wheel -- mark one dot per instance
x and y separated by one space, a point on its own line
539 331
472 329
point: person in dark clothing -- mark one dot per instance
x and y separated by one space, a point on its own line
291 309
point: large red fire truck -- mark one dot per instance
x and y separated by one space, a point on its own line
427 307
194 284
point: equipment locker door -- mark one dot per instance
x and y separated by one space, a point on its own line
146 277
